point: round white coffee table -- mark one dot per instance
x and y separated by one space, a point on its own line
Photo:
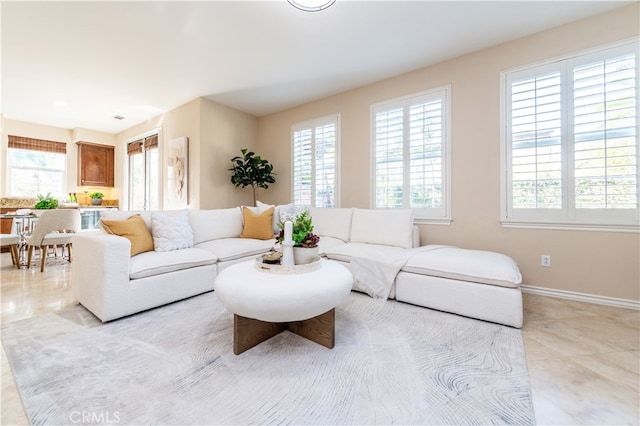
265 304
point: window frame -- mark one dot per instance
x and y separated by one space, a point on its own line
568 216
312 124
150 192
27 141
436 216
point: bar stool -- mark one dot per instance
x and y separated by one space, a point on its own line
12 240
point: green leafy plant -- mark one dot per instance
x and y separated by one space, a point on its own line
96 195
46 202
302 231
251 170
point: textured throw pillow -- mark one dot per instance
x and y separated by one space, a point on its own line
276 212
134 229
258 226
171 230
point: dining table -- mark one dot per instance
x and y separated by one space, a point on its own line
24 224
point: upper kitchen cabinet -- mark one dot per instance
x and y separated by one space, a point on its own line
95 164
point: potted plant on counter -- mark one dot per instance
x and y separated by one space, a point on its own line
46 202
96 198
305 242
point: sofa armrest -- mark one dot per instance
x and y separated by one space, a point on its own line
100 272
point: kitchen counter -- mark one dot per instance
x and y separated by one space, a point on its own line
17 203
29 203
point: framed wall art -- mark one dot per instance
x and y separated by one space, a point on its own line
178 173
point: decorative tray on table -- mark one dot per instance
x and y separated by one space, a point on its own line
270 262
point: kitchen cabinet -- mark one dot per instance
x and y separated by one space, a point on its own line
6 224
95 164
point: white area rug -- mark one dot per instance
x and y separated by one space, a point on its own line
393 363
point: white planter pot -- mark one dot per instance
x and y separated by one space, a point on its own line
304 255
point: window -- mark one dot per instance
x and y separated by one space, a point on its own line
36 166
410 146
571 140
315 162
144 172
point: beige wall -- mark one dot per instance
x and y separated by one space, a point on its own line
68 136
600 263
224 132
181 121
216 133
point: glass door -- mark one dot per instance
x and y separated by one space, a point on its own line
144 173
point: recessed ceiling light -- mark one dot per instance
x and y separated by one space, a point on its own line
311 5
118 117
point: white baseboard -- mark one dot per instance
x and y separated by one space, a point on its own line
582 297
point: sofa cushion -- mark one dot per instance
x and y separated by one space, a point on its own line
257 225
235 248
393 227
332 222
479 266
328 243
155 263
132 228
170 230
214 224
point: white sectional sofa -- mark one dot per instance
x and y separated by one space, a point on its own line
381 248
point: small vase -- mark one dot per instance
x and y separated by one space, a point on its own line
96 201
304 255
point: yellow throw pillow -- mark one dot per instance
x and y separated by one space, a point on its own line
134 229
258 226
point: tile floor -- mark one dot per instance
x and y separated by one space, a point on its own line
583 358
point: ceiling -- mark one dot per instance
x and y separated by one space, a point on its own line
79 64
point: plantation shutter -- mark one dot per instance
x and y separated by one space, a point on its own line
325 141
425 151
302 167
315 158
410 148
605 123
571 140
389 151
536 150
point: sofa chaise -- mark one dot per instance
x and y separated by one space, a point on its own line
380 247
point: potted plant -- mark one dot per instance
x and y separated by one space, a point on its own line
251 170
305 242
46 202
96 198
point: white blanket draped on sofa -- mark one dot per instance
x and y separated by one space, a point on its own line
375 273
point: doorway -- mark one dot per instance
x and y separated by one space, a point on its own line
143 155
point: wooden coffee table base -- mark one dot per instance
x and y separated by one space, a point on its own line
248 332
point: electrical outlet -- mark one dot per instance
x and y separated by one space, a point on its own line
545 260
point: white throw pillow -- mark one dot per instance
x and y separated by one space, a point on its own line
276 212
290 211
393 227
171 230
213 224
331 222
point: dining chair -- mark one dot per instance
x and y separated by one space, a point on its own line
12 240
54 227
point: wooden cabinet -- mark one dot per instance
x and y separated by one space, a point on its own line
6 223
95 164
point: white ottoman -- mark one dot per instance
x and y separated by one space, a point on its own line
265 303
